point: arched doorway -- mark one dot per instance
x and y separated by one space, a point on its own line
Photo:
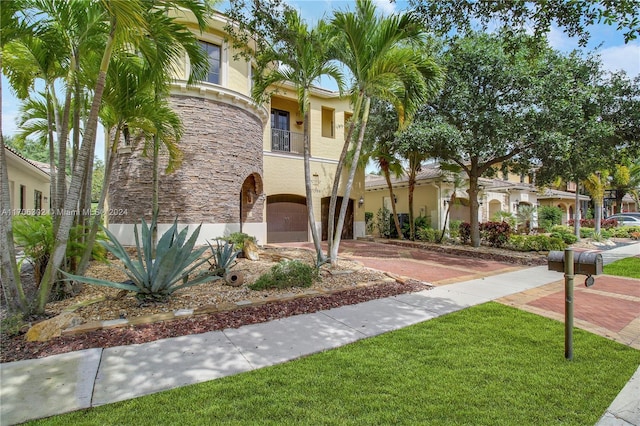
347 229
494 207
287 219
250 201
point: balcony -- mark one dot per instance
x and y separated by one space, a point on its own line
286 141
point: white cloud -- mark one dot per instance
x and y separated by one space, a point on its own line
624 57
386 6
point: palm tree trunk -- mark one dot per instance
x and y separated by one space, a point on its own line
336 180
155 203
347 190
320 258
576 213
387 177
11 285
52 148
71 201
412 222
97 218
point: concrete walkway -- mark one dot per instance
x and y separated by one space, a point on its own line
96 377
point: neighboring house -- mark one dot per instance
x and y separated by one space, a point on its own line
434 188
243 167
29 184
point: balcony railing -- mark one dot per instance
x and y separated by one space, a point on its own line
286 141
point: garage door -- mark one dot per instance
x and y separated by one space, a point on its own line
287 219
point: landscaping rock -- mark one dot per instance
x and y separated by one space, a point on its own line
250 250
48 329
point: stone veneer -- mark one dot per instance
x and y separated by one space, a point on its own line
221 146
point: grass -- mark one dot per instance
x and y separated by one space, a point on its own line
486 365
627 267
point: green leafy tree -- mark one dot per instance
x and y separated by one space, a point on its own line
484 115
519 17
578 141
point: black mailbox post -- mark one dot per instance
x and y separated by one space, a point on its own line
585 263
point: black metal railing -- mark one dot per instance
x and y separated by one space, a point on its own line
286 141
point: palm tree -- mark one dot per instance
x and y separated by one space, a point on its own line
28 60
301 57
12 28
595 184
384 56
123 19
136 98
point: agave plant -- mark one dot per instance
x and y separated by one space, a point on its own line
223 256
156 278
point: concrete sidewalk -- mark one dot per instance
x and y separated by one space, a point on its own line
96 377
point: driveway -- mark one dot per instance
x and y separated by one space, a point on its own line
610 308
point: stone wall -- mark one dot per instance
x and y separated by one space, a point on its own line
221 146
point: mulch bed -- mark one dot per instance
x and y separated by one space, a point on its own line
16 348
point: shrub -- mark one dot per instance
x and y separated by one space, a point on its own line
369 223
422 222
565 233
427 234
224 258
34 234
465 232
156 278
383 223
591 223
535 243
548 216
586 232
286 274
13 325
502 216
495 233
568 238
238 239
454 228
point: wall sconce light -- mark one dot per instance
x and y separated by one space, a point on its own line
445 202
516 204
361 201
315 179
395 199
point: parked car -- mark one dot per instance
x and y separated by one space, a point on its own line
626 219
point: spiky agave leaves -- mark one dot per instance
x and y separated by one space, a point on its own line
156 278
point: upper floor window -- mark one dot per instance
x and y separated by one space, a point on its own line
213 53
328 123
37 200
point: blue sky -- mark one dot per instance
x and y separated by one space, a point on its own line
609 43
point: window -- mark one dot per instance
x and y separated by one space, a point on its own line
23 197
37 200
213 53
327 123
280 135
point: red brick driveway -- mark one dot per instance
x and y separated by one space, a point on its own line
611 308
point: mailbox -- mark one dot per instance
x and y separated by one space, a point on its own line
584 263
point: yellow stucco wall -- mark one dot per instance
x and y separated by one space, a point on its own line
32 178
425 201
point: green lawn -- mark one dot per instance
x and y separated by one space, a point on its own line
486 365
628 267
